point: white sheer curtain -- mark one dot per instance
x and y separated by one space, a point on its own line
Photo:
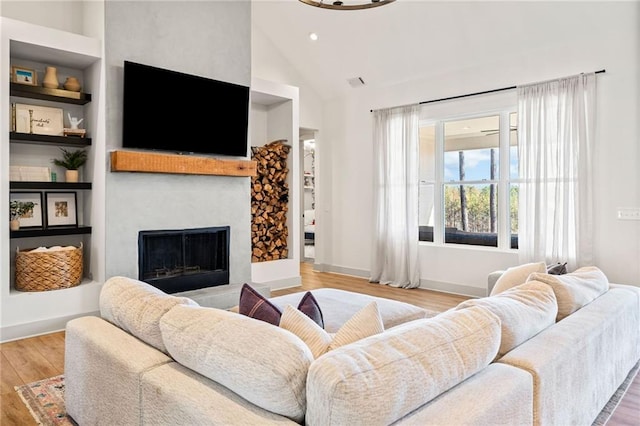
395 251
555 138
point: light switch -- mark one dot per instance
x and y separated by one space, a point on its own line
629 213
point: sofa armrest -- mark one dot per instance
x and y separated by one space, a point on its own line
593 351
103 366
469 403
491 280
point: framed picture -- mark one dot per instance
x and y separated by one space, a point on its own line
24 75
38 120
61 209
33 219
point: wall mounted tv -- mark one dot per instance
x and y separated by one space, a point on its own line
172 111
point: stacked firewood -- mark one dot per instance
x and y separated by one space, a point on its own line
269 202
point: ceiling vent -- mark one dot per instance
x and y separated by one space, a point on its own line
356 82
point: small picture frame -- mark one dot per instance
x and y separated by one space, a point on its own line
22 75
34 218
61 209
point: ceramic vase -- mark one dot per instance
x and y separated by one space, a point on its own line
50 78
71 175
72 84
14 224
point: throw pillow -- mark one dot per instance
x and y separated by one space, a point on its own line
255 305
366 322
576 289
309 306
524 311
557 269
517 275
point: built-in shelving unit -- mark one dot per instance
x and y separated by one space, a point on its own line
36 47
60 96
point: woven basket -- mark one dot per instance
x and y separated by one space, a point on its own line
48 270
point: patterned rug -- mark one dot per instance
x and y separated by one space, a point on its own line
45 400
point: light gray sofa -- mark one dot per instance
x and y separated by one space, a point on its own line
156 359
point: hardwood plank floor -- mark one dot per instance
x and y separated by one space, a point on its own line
27 360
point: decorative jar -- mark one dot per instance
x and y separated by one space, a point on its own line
72 84
50 80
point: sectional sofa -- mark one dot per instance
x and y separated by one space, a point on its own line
543 351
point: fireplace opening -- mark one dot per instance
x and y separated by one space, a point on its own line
184 259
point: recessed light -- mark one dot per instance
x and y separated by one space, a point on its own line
313 36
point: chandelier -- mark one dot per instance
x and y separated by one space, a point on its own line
346 5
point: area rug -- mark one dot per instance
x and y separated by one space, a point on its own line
611 406
45 400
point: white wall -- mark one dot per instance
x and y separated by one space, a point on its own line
608 38
62 15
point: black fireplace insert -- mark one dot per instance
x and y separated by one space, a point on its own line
184 259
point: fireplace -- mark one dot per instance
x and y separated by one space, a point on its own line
184 259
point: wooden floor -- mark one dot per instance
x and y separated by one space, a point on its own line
28 360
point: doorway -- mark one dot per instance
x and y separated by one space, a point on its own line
308 182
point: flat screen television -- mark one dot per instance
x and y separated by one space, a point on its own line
167 110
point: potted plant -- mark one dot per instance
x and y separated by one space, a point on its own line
72 161
17 209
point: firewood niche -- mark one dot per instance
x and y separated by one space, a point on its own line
270 202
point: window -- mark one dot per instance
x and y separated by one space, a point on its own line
469 180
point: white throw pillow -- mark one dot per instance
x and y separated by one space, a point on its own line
364 323
576 289
517 275
524 311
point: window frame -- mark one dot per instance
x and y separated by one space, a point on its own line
503 180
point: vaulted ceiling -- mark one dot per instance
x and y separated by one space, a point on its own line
412 39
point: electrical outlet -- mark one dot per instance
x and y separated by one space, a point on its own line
629 213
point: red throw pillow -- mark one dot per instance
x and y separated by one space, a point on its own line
255 305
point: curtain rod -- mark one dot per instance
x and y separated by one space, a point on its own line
477 93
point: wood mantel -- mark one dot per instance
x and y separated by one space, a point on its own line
144 162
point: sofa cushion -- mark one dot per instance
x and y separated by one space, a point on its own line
517 275
576 289
137 307
264 364
524 311
382 378
364 323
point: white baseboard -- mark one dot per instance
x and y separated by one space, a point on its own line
37 328
444 287
283 283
